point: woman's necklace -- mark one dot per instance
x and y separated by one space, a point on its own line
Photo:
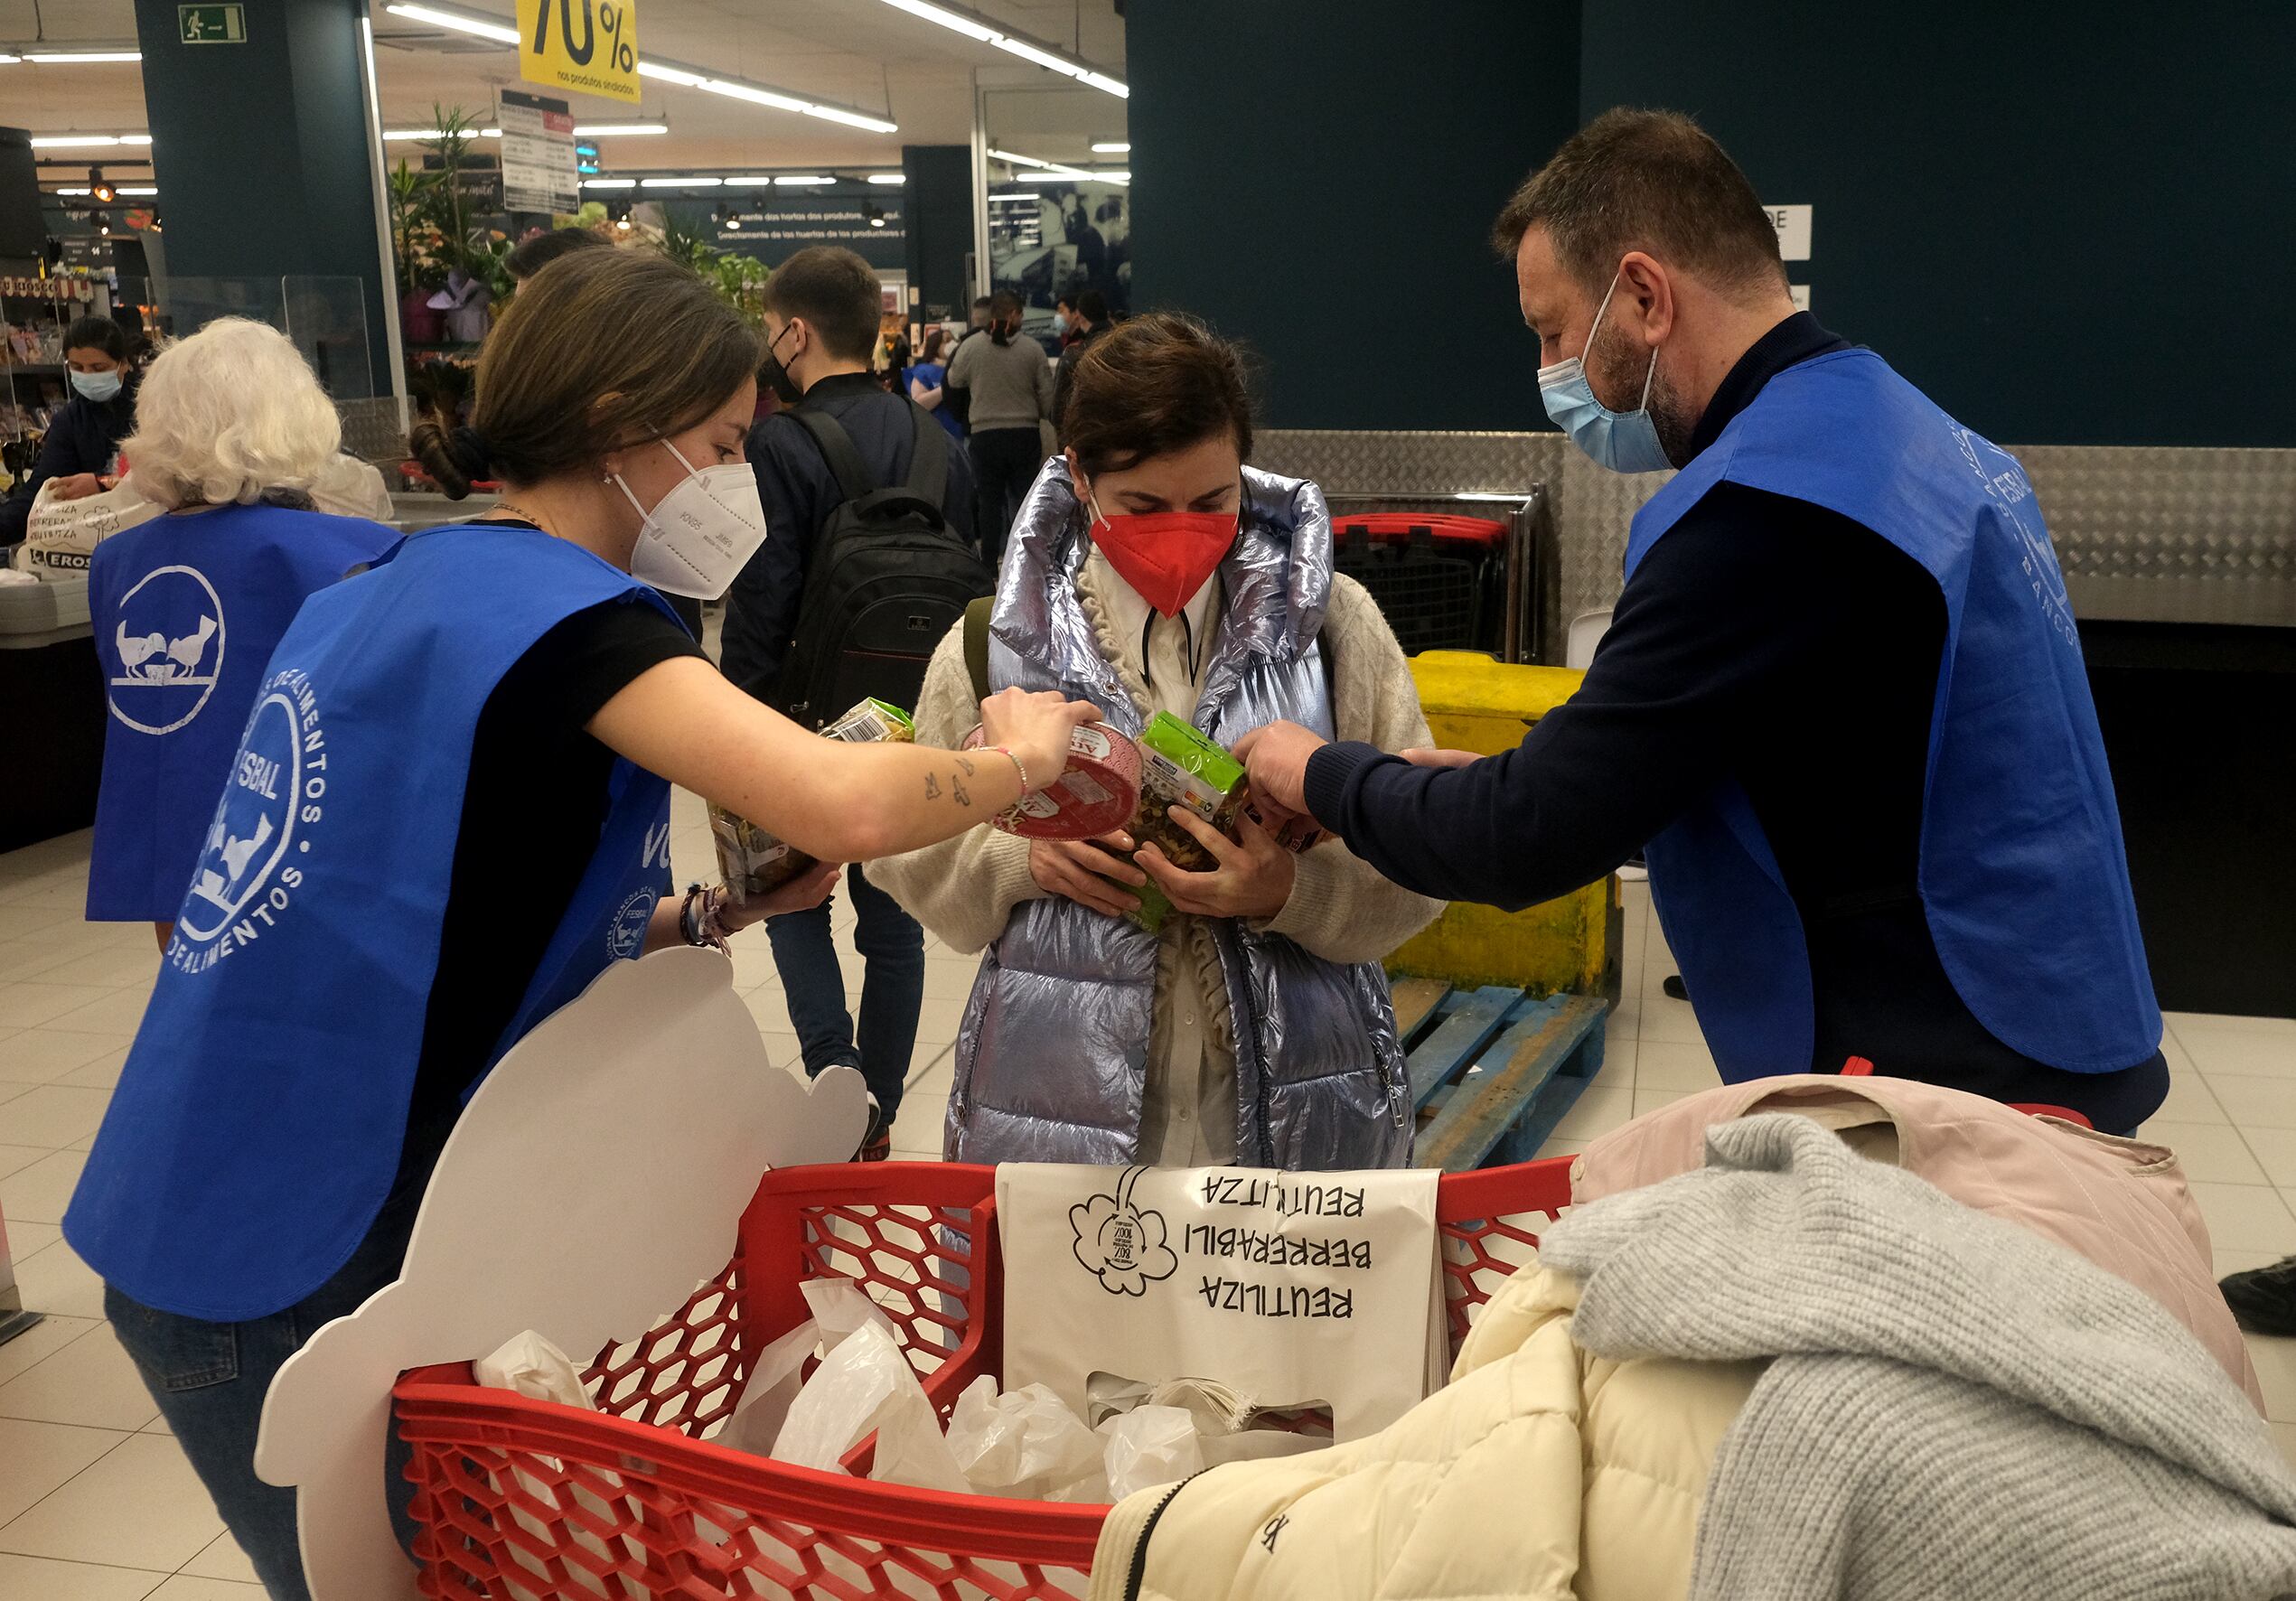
523 514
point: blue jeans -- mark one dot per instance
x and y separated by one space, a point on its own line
210 1380
892 948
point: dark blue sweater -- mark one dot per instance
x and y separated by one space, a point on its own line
81 437
1771 642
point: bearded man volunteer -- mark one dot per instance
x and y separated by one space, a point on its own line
1841 704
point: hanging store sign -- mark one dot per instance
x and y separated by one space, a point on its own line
1793 223
537 154
211 24
587 46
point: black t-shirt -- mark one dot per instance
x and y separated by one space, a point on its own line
1771 642
532 812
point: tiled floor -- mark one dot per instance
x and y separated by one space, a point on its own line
97 1504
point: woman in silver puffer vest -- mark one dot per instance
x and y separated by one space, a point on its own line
1149 570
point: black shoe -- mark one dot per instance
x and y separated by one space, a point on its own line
2263 1299
1675 989
877 1145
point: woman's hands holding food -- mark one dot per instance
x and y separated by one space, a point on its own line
1251 874
1088 872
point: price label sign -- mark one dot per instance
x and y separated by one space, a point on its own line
589 46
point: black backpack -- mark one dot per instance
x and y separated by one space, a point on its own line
885 581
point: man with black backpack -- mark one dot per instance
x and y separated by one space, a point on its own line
867 562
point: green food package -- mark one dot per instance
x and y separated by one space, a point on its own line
1181 766
754 863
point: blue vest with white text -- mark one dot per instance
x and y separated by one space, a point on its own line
2022 877
187 610
257 1125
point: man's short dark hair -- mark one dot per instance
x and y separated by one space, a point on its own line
1093 306
982 305
535 254
836 293
1653 180
1066 302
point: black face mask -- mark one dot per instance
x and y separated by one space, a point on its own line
776 376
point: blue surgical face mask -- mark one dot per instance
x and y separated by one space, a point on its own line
1622 441
99 387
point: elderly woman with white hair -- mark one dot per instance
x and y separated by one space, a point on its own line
232 437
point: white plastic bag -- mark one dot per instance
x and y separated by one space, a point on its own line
763 1408
839 1307
532 1366
866 1384
1024 1443
1150 1445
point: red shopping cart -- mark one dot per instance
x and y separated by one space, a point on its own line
527 1500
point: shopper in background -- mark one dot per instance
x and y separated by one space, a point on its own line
232 433
821 310
955 399
447 816
925 381
1087 321
1010 384
83 436
1842 699
1151 571
1064 318
530 256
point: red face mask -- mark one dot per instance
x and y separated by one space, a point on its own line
1166 556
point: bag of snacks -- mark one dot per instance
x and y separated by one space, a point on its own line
753 861
1181 766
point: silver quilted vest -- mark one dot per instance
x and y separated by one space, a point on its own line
1052 1060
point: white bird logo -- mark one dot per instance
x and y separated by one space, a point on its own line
181 656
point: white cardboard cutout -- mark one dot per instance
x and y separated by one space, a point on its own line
596 1178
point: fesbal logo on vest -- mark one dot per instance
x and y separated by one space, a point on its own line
2005 481
273 804
168 634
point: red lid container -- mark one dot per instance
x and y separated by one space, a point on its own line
1096 794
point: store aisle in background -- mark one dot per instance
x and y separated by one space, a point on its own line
97 1504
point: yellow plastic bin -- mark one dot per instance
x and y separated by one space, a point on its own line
1475 703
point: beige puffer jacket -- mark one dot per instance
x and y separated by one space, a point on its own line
1539 1472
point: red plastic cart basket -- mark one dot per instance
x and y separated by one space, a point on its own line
526 1500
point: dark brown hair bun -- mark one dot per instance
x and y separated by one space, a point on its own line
1151 385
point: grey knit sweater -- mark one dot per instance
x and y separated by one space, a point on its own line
1957 1407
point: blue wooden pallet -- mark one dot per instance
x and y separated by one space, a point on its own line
1494 1070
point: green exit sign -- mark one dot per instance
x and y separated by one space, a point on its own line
211 24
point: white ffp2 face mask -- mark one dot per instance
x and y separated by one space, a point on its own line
696 542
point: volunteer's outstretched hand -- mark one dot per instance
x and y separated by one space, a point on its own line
808 890
1034 726
1276 757
1252 875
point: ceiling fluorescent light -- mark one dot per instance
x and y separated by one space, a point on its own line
461 22
988 33
949 19
1018 161
141 190
403 134
853 120
1118 147
63 57
618 130
69 141
8 61
609 183
1038 54
802 180
752 94
669 74
888 177
81 190
749 181
683 183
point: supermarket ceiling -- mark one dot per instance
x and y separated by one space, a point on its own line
871 57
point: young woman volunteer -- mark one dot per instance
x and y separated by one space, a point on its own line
83 436
232 433
448 812
1150 571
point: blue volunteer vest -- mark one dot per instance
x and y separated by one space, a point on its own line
187 610
2022 877
257 1124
